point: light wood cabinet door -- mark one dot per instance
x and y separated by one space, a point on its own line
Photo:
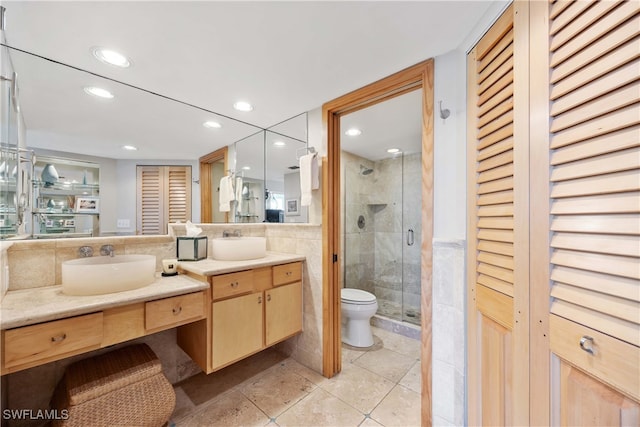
498 283
283 312
237 327
591 178
587 401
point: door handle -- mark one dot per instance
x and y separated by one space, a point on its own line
410 237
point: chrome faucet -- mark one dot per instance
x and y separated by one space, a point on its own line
229 233
85 251
107 250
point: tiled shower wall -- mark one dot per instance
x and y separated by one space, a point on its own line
376 257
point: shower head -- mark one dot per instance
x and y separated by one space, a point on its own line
365 170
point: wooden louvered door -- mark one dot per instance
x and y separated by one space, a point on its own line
498 228
591 180
164 196
178 181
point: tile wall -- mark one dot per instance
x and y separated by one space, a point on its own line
448 332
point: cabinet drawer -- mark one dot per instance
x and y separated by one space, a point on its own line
227 285
287 273
174 311
52 340
613 361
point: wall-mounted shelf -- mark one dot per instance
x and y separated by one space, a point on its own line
57 210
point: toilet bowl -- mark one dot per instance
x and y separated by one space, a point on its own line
357 307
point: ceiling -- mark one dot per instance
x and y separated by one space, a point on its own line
284 57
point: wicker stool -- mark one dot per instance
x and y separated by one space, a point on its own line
125 387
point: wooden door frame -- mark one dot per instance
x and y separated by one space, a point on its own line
206 189
419 76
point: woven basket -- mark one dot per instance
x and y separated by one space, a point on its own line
125 387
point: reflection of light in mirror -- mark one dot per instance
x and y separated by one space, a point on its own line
353 132
212 125
129 147
393 150
246 168
111 57
243 106
99 92
279 143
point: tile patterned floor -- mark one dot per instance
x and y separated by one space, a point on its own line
379 386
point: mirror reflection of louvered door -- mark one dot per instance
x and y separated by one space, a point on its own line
498 226
163 196
594 205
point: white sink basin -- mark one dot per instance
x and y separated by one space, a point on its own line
238 248
105 274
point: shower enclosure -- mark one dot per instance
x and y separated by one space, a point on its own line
382 229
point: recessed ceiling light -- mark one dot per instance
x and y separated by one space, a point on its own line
243 106
279 143
393 150
353 132
111 57
212 125
99 92
246 168
129 147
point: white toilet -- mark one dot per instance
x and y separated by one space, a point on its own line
357 307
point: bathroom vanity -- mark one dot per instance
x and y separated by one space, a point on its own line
225 311
42 325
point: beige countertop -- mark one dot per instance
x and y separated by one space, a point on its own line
30 306
210 267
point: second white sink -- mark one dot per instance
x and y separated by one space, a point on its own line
238 248
105 274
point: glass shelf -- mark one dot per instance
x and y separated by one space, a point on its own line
74 187
49 212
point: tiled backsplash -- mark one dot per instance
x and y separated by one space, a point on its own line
37 263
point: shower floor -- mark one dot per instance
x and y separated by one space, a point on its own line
393 310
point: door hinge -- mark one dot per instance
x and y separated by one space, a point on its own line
335 258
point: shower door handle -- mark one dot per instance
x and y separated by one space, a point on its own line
410 238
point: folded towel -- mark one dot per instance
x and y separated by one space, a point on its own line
226 194
308 178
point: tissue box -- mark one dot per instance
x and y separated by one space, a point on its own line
192 248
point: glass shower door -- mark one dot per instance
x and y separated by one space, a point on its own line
412 227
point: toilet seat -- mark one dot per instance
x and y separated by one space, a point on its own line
357 296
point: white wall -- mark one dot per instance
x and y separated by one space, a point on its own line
449 147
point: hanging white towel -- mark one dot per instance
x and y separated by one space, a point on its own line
239 194
308 178
227 194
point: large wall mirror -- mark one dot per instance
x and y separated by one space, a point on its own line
60 119
267 168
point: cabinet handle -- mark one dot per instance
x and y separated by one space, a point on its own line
268 297
289 273
259 300
234 285
59 338
177 310
586 343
